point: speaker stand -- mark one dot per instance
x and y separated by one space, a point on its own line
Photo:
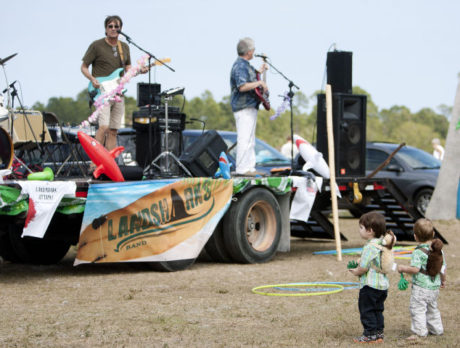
167 155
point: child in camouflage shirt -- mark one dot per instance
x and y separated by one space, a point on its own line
425 315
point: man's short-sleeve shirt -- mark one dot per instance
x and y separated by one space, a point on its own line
370 256
242 72
419 260
102 57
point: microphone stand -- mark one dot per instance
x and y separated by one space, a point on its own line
147 52
291 96
165 170
149 153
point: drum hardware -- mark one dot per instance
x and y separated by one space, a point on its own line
165 170
3 110
6 150
4 60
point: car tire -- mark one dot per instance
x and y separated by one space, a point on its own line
422 199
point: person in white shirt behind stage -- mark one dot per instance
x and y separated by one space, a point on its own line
286 148
438 150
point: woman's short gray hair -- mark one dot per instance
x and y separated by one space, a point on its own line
245 45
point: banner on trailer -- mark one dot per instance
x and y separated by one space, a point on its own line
158 220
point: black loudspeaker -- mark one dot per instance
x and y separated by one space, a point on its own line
339 71
143 95
158 145
349 128
201 157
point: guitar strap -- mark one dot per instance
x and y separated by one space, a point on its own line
121 53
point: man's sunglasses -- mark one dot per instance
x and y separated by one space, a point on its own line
111 26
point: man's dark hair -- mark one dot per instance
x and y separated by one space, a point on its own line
111 19
374 221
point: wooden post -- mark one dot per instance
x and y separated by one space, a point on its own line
330 145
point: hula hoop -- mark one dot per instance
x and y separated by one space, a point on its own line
354 251
338 287
403 257
353 285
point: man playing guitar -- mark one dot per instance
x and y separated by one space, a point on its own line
106 55
245 103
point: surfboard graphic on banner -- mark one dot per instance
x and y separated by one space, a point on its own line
158 220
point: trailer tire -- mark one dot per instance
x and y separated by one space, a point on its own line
36 251
171 266
252 227
215 247
6 249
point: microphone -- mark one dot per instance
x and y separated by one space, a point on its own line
122 33
263 56
10 86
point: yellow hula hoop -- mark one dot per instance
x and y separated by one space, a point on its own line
257 288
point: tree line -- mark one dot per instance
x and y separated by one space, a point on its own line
396 124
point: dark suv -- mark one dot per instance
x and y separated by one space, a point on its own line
413 171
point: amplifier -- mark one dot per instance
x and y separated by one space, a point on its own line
28 126
201 157
176 119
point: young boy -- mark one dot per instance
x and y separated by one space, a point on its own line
425 315
373 283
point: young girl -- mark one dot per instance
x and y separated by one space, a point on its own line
373 283
425 315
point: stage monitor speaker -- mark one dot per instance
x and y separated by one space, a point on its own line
28 126
143 95
201 157
339 71
349 129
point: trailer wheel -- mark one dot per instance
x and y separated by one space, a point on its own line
170 266
252 227
36 251
6 249
215 247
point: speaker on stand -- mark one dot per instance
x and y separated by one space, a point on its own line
349 129
147 93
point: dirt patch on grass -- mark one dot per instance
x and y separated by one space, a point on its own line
207 305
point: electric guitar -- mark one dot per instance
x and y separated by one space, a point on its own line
263 96
109 83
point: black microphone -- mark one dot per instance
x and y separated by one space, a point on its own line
263 56
10 86
122 33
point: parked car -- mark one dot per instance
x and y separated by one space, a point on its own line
412 170
267 157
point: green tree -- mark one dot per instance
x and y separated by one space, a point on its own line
395 124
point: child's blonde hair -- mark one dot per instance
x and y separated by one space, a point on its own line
423 229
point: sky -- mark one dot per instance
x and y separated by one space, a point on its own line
404 52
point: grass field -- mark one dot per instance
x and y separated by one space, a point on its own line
209 304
